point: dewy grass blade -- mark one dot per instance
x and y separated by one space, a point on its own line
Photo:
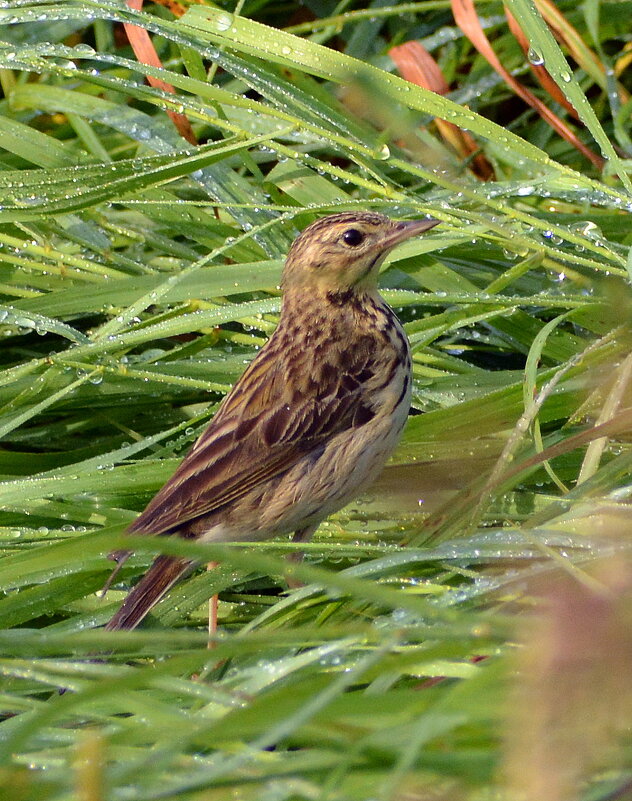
543 42
170 283
17 420
285 49
84 186
9 315
223 280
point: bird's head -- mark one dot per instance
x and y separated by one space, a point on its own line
344 251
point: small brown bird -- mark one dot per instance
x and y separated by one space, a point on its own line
311 421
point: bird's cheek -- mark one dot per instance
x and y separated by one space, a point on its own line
368 269
338 277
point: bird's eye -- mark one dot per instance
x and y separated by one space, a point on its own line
353 237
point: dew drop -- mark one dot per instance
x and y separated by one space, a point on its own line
536 58
223 21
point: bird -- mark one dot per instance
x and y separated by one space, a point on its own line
313 418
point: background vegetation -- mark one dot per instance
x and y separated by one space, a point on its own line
464 631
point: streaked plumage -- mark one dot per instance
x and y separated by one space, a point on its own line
313 418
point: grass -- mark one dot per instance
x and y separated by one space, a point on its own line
462 631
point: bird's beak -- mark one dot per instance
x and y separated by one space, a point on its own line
405 230
400 232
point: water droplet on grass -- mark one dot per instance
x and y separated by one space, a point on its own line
222 22
535 57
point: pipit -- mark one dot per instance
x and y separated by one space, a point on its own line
311 421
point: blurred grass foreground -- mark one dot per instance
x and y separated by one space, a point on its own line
463 631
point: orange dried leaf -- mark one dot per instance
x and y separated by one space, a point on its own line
145 52
177 9
416 65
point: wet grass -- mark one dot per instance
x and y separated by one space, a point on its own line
473 609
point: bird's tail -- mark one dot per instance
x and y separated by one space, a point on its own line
158 580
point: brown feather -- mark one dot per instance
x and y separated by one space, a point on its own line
158 580
228 460
312 419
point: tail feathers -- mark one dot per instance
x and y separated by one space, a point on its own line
158 580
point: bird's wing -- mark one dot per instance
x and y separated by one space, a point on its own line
268 422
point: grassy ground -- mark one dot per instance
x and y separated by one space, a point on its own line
463 631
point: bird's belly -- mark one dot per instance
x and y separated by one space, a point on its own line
318 485
345 469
